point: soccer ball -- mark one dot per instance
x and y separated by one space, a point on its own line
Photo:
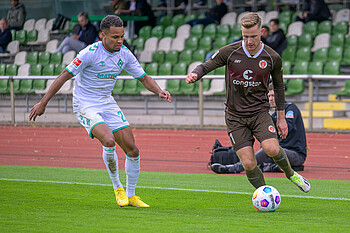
266 199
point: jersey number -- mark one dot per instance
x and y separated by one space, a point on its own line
121 116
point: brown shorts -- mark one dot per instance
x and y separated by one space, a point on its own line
242 129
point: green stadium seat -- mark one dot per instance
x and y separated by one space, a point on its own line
26 86
32 57
347 42
186 56
48 70
165 21
316 67
165 68
341 27
346 90
139 43
130 87
11 70
180 68
151 68
178 20
335 54
16 86
197 30
170 31
288 54
173 86
205 43
145 32
157 31
301 67
56 58
321 54
210 30
285 17
2 69
311 28
305 40
13 33
346 57
190 17
303 54
332 68
287 67
21 36
201 16
293 41
172 56
337 40
188 89
158 56
224 31
58 69
36 69
236 30
284 27
39 84
191 43
118 87
32 35
220 71
44 58
4 86
141 87
294 87
206 84
220 42
325 27
199 55
294 16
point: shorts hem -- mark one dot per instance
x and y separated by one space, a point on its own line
90 133
120 128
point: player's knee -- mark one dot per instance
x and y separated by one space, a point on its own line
249 164
272 151
134 152
108 142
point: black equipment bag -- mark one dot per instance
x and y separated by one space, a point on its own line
223 155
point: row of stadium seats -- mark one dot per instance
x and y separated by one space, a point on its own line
43 58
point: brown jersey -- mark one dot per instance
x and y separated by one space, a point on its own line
247 77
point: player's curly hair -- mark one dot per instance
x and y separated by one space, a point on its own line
250 20
110 21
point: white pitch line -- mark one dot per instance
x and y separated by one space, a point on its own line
176 189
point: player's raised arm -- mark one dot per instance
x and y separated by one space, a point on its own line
152 86
40 107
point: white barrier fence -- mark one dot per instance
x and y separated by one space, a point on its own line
309 78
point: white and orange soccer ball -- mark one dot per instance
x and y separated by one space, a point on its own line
266 199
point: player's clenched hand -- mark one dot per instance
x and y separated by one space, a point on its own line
282 128
165 95
191 78
37 110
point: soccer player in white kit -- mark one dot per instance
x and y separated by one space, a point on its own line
96 69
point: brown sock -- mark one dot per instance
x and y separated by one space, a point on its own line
255 177
282 161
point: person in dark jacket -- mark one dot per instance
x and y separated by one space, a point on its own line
314 10
294 144
277 39
16 15
214 15
5 35
82 35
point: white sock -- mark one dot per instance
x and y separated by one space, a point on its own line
111 161
132 169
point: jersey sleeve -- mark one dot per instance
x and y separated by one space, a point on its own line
81 61
277 79
133 67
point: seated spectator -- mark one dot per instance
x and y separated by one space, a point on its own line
82 35
16 15
139 8
314 10
277 39
214 15
265 33
5 35
294 145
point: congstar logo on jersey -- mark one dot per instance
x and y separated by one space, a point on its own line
247 75
106 76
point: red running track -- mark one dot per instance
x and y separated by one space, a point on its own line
182 151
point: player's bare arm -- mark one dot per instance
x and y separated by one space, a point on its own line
282 126
191 78
152 86
39 108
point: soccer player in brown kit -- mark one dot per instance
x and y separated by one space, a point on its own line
249 64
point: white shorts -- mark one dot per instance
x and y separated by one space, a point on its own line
90 114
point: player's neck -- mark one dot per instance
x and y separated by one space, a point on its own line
106 48
252 53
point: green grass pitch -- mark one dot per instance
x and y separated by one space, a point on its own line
49 199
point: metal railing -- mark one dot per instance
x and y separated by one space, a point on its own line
309 78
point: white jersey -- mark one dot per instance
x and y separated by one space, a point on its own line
96 71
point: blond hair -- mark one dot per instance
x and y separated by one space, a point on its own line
250 20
